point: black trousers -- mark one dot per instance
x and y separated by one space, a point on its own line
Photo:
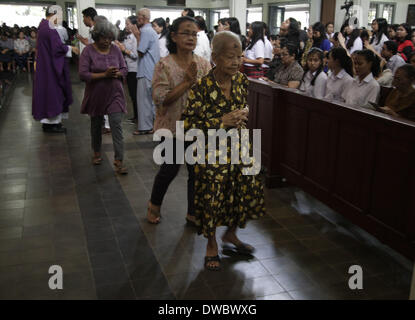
166 175
132 90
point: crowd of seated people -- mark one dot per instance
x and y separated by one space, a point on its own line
349 66
18 46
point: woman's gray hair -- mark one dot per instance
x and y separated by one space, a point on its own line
221 39
103 28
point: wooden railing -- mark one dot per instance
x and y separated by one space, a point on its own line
359 162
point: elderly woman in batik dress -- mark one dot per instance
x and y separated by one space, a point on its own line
224 196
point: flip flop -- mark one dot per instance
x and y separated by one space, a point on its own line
212 259
242 249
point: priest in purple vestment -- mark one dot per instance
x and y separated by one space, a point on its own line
52 92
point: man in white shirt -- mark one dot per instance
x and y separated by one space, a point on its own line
89 15
203 45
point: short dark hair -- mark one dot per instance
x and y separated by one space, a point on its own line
90 12
133 19
174 28
190 12
392 46
201 23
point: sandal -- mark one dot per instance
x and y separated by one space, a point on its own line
96 160
212 259
242 248
143 132
119 168
155 213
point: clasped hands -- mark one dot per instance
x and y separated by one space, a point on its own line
191 74
113 72
236 119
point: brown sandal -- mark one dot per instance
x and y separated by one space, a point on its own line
154 213
119 168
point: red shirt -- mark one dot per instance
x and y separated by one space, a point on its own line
404 48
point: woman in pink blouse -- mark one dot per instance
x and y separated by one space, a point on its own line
102 67
173 76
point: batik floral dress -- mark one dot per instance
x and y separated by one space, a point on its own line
223 195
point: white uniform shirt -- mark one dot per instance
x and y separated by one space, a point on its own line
268 51
203 46
357 45
164 52
336 85
319 89
257 51
378 47
359 94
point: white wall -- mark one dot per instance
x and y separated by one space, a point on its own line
362 7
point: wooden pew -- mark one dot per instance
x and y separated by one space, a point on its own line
357 161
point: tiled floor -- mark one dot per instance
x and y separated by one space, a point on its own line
57 209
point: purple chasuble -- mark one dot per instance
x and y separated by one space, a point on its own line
52 92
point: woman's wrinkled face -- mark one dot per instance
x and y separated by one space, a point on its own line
286 58
401 33
330 29
375 26
186 36
313 62
362 67
104 42
223 27
157 28
230 59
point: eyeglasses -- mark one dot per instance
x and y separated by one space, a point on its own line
188 35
